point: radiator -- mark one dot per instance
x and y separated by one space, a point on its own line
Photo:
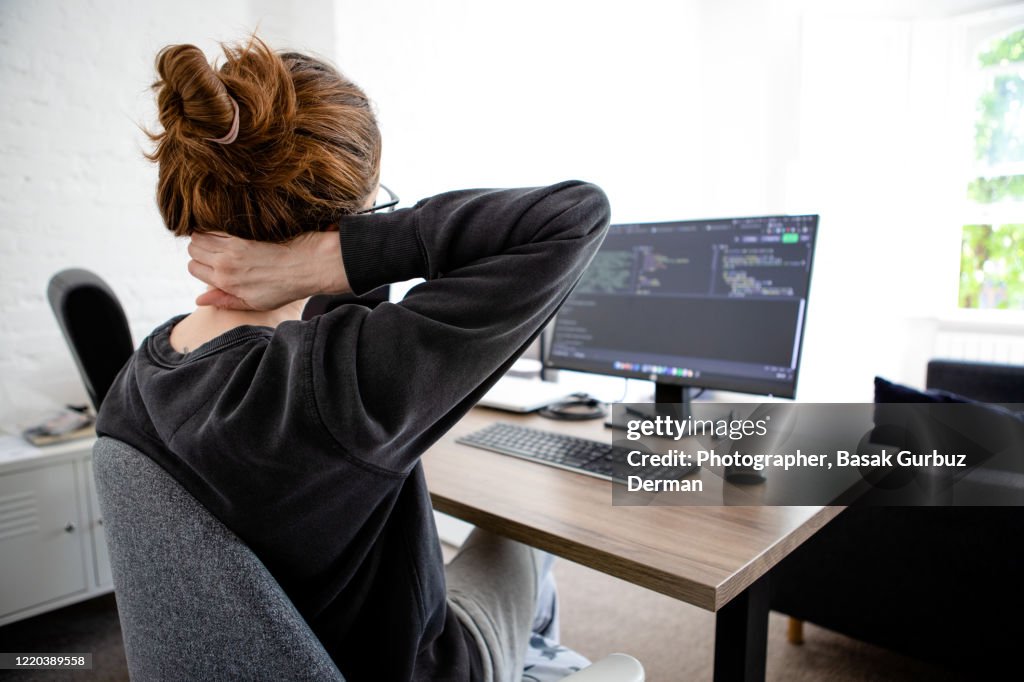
1005 347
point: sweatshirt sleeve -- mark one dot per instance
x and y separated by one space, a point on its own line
388 382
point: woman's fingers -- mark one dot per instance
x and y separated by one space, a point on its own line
212 241
214 296
255 275
204 273
220 299
200 255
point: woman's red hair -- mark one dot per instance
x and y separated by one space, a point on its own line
307 150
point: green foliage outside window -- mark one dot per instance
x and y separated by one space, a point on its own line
992 255
999 131
1006 50
991 267
994 190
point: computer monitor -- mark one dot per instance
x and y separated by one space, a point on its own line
717 304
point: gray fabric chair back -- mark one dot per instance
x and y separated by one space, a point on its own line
194 601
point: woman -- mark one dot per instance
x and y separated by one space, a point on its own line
302 437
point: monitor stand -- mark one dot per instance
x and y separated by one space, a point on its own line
670 400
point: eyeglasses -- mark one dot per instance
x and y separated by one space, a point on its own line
379 205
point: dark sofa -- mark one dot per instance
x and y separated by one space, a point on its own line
938 583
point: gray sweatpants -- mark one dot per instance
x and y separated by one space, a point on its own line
502 591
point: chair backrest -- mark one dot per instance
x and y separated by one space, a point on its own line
195 603
94 326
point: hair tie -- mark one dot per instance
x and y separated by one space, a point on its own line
233 133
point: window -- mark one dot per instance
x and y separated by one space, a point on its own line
992 254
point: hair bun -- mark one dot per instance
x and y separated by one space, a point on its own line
308 147
191 98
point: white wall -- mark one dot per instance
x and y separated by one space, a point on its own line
678 109
703 108
75 190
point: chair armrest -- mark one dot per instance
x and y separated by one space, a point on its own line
614 668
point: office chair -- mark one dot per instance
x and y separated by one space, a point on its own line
195 603
94 325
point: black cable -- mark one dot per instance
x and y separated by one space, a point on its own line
540 352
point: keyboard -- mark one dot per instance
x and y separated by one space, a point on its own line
584 456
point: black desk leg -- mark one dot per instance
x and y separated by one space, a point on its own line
741 635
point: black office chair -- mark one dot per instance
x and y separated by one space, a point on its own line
94 325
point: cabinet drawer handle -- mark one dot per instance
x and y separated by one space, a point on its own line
70 528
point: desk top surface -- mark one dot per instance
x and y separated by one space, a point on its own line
703 555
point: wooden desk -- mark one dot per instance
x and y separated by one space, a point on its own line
714 557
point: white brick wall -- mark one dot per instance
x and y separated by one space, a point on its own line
75 190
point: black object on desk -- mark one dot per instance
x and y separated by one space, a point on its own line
578 407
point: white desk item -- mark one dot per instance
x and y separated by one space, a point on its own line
15 447
523 395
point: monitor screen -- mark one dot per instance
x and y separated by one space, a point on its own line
717 304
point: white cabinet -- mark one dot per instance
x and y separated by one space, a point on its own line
52 548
